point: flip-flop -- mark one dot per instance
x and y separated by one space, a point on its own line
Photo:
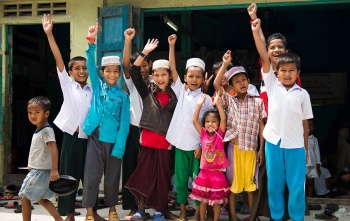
323 216
314 207
12 205
3 204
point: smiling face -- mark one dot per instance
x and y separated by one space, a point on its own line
111 74
240 83
79 72
275 49
145 69
37 115
194 77
161 77
287 74
211 123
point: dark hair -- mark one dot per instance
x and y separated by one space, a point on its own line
135 55
288 58
274 37
217 65
211 111
73 60
41 101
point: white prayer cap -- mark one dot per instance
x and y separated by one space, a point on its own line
110 60
197 62
161 63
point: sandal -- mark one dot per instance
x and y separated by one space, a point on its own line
140 215
113 216
89 218
12 205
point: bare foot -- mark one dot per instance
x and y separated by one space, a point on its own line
131 213
170 215
98 217
70 217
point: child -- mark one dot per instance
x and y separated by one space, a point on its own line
210 186
182 133
77 96
286 131
314 162
245 123
324 181
107 125
42 161
150 181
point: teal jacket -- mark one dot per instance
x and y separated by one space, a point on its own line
109 109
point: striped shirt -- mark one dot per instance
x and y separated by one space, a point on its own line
243 120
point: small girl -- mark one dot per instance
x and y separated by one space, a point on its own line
210 186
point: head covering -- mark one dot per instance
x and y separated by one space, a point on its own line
64 186
196 62
110 60
161 63
234 71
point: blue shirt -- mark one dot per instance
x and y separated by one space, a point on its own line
109 109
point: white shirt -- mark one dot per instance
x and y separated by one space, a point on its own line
75 107
253 91
182 132
287 110
136 104
314 151
40 156
320 182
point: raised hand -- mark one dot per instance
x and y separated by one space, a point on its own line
150 46
201 99
252 10
256 25
216 99
92 31
129 34
172 39
227 58
47 23
206 82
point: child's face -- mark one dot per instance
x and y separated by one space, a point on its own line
161 77
145 69
211 123
111 74
79 72
287 74
275 49
37 115
311 126
194 78
240 83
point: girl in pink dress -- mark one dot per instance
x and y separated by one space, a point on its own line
210 186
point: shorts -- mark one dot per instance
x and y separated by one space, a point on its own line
311 172
36 186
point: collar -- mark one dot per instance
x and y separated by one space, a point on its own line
195 92
247 96
110 88
295 86
77 86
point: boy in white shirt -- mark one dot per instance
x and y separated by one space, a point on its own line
286 131
323 181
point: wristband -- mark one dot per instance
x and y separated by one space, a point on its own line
251 21
91 39
200 145
140 53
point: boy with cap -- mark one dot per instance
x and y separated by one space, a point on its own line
182 132
107 125
245 114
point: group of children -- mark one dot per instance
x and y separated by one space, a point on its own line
101 127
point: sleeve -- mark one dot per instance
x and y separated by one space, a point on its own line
262 111
306 106
269 80
224 100
119 146
140 84
129 83
317 150
253 91
63 77
48 135
177 87
91 66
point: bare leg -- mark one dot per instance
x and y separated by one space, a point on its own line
70 217
182 211
26 209
203 210
196 216
169 215
250 200
210 213
217 208
142 203
232 201
47 204
97 217
309 187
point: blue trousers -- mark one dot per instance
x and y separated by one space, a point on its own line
286 166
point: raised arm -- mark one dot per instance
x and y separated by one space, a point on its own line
196 123
150 46
172 64
252 11
260 45
47 23
221 112
90 54
129 35
226 61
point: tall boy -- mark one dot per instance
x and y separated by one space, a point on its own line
42 161
286 131
77 96
245 114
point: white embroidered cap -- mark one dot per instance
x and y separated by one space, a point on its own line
161 63
233 71
197 62
110 60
